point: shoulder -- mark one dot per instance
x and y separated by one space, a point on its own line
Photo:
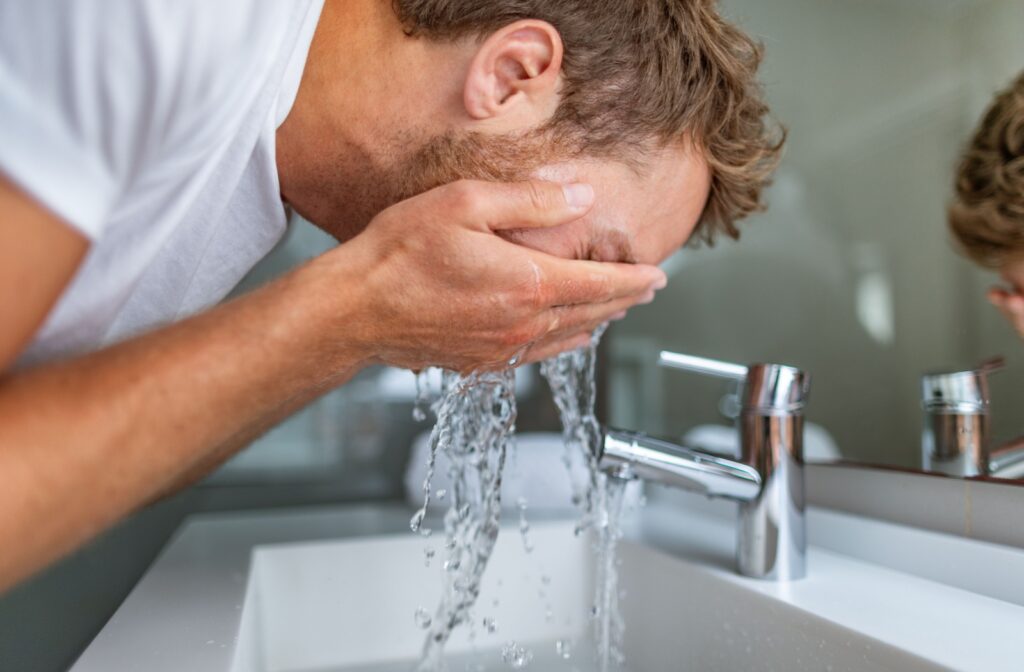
93 90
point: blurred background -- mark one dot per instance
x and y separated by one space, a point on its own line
850 275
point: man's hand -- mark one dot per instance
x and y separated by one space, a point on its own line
441 288
1011 305
429 282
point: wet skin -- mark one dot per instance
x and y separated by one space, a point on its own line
639 216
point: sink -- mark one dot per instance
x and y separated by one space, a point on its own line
349 605
335 590
319 607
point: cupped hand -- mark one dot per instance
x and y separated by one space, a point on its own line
441 288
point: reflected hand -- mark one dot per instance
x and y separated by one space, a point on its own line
1011 305
441 288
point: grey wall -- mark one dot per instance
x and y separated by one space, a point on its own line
850 274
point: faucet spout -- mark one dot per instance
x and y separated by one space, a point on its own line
635 455
768 478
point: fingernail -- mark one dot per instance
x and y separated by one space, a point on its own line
578 196
660 283
647 298
618 316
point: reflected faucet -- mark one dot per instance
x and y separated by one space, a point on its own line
955 436
768 478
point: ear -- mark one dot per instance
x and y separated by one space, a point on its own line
515 73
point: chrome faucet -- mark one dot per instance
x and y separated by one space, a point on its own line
955 435
768 478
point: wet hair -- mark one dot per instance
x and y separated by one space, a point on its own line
643 73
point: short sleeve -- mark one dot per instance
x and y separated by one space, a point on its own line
71 100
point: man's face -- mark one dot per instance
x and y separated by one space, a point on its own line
1010 300
1012 273
638 216
642 212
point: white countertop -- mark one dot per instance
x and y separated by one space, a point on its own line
197 586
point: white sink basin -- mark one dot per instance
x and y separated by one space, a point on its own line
325 591
349 605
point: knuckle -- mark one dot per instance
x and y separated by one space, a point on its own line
539 195
464 196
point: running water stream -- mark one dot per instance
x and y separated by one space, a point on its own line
474 430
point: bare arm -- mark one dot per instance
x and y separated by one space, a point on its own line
84 442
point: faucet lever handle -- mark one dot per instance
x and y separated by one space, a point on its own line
709 367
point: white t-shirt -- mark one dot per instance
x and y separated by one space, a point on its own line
148 125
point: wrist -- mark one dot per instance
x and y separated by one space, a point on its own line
335 310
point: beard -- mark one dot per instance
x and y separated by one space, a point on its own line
345 198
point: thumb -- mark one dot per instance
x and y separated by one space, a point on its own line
530 204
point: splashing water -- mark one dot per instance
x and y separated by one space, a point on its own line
571 378
419 408
475 422
515 656
475 425
609 626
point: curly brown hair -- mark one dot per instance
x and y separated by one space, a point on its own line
643 72
987 217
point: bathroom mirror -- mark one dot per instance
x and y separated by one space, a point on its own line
851 273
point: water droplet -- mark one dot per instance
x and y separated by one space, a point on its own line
595 611
419 408
490 625
545 579
428 555
417 519
452 565
563 649
422 618
516 656
441 493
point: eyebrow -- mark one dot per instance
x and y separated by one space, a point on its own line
608 244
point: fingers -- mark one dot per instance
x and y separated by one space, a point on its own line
567 320
551 347
496 206
567 282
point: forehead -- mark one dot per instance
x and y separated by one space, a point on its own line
640 214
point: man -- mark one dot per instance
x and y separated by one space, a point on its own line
987 217
146 149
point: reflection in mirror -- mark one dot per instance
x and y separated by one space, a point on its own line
852 274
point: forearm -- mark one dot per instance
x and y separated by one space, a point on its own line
222 453
86 441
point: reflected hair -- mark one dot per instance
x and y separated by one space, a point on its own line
987 215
